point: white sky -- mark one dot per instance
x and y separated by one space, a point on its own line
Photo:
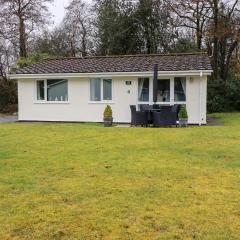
57 9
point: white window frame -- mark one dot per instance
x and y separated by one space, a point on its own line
45 92
101 91
171 102
171 92
179 102
149 91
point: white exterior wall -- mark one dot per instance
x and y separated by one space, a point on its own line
80 109
196 90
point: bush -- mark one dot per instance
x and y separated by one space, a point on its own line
8 96
10 108
233 95
107 112
183 112
224 97
34 58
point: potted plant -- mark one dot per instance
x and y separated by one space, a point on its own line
107 116
183 116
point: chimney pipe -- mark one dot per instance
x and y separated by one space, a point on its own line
155 79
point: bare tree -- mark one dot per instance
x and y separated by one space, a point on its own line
7 57
20 18
77 24
8 89
192 14
225 33
215 20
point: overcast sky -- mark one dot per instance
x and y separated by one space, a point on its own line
57 9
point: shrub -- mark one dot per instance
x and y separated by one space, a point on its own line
224 97
183 112
107 112
8 96
34 58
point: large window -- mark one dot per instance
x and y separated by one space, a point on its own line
180 89
57 90
169 91
100 89
163 90
52 90
143 89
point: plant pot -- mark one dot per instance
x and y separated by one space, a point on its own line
183 122
108 122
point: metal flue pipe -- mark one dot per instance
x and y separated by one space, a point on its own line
155 79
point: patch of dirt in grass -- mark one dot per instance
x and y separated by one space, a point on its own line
213 121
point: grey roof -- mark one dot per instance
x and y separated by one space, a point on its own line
121 63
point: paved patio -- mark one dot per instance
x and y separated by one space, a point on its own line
8 118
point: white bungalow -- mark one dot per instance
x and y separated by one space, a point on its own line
78 89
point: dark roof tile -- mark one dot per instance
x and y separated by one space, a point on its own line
124 63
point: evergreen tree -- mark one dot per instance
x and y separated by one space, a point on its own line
116 26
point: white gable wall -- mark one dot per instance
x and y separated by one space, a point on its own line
197 99
79 107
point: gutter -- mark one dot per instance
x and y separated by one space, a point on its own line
108 74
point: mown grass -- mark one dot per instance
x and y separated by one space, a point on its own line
80 181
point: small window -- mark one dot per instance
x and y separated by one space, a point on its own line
57 90
40 90
100 89
163 90
95 89
52 90
143 89
180 89
107 89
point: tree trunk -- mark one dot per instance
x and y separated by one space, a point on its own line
198 30
199 39
2 73
222 56
229 56
73 52
148 40
215 39
84 47
22 39
84 39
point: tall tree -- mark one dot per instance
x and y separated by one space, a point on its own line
8 57
21 17
155 25
134 27
77 24
8 89
4 60
184 45
192 14
107 13
116 27
224 30
52 42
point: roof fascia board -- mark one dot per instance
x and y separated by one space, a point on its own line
107 74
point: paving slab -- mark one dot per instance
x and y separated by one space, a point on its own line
7 119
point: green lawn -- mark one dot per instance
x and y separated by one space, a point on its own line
83 181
